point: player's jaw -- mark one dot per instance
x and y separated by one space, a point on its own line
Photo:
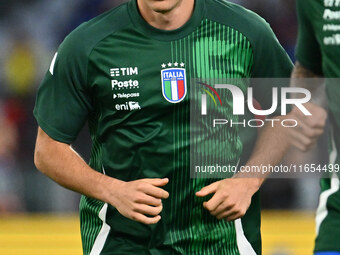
161 6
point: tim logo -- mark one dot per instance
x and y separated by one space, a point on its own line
124 71
174 85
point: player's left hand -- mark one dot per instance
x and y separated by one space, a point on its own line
231 198
306 134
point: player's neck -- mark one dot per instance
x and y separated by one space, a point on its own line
170 20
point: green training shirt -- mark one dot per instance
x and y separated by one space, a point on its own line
131 82
318 49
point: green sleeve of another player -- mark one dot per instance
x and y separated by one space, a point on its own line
63 101
307 49
270 61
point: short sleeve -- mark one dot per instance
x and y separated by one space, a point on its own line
270 61
308 51
63 99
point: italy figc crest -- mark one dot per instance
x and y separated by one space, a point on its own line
174 84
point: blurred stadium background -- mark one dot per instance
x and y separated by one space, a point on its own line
39 217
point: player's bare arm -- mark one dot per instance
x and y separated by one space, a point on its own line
309 128
301 72
133 199
232 197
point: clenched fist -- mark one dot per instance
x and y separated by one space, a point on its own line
305 135
231 198
140 200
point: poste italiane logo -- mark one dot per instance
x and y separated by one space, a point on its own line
174 84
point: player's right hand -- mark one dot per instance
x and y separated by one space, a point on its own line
140 200
305 135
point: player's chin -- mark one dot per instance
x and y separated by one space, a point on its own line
164 6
